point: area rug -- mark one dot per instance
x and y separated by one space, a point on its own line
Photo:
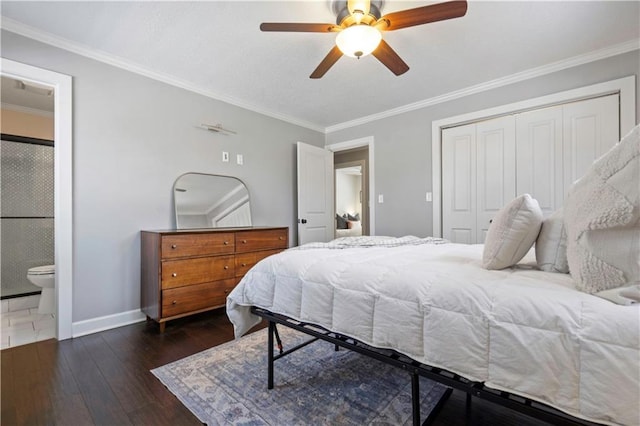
227 384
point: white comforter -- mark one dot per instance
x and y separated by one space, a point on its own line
519 329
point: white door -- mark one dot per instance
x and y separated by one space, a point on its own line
496 170
478 178
315 194
458 184
539 157
590 129
539 152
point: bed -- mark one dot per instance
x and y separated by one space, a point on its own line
520 329
496 315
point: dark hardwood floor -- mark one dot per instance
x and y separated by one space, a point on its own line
104 379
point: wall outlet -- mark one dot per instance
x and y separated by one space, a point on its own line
240 159
380 198
429 196
225 157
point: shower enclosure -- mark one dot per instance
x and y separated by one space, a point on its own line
26 212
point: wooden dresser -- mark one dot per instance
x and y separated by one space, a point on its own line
184 272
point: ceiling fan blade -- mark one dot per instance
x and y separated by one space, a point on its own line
299 27
424 15
385 54
327 63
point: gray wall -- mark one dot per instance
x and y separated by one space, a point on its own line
132 137
403 142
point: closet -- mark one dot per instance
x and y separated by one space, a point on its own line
486 164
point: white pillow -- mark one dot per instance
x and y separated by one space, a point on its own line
602 219
354 224
512 233
551 245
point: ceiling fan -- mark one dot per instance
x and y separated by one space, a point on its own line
359 25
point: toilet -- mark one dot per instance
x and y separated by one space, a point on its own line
45 277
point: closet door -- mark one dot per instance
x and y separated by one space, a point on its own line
541 152
539 157
591 127
496 169
459 184
479 177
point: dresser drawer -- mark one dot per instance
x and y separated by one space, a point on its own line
185 272
178 273
184 245
183 300
261 240
245 261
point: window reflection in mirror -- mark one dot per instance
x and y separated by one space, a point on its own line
211 201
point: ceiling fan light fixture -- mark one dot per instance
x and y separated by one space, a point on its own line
358 40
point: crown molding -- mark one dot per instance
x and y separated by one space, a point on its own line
26 110
62 43
596 55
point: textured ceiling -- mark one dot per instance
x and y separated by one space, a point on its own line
217 48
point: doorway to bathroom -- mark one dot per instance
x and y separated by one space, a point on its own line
26 184
38 79
26 211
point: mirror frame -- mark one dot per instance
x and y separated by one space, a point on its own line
175 204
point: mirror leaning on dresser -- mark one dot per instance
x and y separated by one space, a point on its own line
191 269
211 201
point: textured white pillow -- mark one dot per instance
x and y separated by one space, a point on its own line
602 219
551 245
512 233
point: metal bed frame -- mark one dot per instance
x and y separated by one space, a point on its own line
414 368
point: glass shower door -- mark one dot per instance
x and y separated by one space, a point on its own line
26 212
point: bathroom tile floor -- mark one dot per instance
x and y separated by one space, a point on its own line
21 323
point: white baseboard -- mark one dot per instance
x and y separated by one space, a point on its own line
94 325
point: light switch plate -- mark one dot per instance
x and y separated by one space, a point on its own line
225 157
240 159
380 198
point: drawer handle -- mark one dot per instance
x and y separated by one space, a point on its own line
174 302
174 274
226 266
226 243
226 292
244 264
244 241
173 246
281 238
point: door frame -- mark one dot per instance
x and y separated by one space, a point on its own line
368 142
63 183
625 87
